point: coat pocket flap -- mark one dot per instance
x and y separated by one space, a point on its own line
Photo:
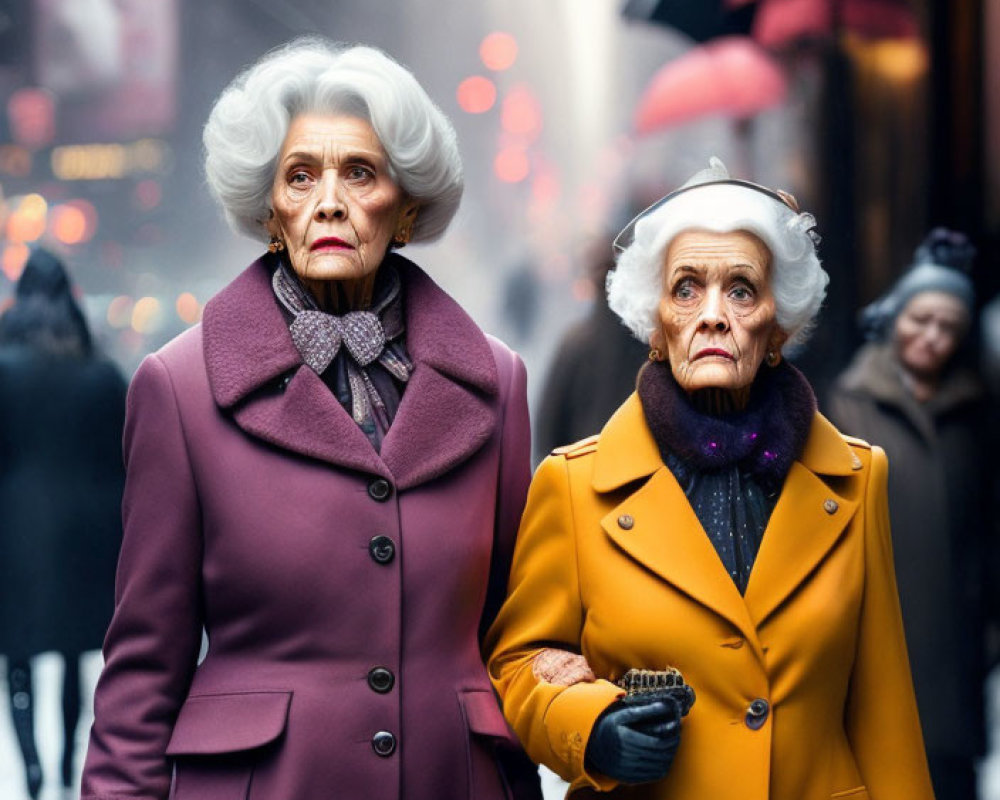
483 714
228 723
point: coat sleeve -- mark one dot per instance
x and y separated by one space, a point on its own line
881 717
544 609
152 644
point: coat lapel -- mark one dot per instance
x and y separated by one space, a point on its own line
665 535
448 408
807 522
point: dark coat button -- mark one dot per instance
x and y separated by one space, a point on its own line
384 744
381 680
379 489
757 714
382 549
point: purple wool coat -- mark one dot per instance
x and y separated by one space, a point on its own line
342 591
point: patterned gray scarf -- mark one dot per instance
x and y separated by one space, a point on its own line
366 338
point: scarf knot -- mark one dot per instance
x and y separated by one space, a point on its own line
318 336
364 338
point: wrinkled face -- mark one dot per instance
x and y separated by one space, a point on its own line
929 330
335 206
717 311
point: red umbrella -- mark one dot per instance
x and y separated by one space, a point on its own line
731 75
781 22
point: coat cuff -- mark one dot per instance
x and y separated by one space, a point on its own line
568 721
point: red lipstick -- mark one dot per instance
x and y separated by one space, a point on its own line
331 242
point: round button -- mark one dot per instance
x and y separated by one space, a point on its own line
384 744
757 714
381 680
379 489
626 522
382 549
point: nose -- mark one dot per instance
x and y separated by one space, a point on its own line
713 313
331 203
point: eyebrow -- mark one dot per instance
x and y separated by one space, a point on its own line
366 156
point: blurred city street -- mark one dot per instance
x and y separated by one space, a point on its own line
881 117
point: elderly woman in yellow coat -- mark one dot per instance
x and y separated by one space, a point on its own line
718 526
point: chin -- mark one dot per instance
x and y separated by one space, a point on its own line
333 268
713 376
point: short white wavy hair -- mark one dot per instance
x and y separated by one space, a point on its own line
711 201
248 124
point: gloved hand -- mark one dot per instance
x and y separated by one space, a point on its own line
635 739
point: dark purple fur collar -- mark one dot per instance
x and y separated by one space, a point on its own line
765 438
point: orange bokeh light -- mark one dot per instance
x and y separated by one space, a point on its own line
15 256
68 224
476 94
498 51
27 222
147 315
188 308
511 165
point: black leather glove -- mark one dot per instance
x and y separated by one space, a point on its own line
635 739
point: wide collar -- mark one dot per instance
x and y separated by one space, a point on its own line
807 521
448 409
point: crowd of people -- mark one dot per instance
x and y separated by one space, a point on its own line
336 575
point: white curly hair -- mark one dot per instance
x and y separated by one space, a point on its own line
247 126
713 201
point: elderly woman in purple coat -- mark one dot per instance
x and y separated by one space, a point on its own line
325 475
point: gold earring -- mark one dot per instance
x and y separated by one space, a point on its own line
772 358
402 236
655 354
275 245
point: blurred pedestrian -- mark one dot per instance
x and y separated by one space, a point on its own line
593 369
62 408
326 475
913 391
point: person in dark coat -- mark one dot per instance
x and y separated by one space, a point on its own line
593 369
326 475
62 408
911 391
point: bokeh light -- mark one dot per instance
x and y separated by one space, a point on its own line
148 194
522 113
498 51
26 222
68 224
120 311
476 94
511 165
188 308
31 113
147 315
15 256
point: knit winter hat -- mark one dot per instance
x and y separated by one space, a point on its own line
941 263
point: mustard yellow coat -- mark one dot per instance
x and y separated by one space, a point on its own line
612 562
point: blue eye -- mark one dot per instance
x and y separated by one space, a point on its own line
684 289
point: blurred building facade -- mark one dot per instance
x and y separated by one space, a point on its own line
102 102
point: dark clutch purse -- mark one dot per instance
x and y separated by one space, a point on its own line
647 684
